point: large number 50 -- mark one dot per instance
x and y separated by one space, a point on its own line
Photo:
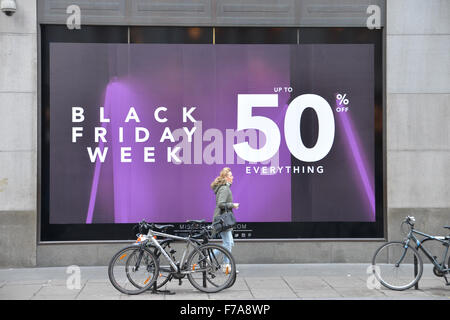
292 134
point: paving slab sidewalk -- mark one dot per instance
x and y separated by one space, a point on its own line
267 281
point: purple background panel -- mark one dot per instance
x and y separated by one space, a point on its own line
209 77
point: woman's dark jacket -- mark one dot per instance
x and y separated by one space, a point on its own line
224 199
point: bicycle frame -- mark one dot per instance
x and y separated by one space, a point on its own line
189 242
419 245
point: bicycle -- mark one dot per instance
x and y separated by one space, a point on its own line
198 238
145 255
396 262
202 237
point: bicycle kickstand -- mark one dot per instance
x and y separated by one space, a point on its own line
447 283
156 291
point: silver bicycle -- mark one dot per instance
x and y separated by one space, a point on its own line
136 268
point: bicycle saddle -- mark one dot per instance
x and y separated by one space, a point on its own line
447 227
196 221
163 226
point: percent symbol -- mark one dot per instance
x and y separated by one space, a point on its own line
342 99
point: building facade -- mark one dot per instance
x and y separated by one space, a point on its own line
415 72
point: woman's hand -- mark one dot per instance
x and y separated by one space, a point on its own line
236 205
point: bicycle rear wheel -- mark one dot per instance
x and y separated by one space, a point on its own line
212 268
133 269
393 266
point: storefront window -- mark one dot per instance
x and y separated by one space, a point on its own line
137 122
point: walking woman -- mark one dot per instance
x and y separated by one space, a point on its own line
224 203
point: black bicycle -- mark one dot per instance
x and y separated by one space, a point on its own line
398 265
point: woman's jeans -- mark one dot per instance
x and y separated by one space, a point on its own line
227 242
227 239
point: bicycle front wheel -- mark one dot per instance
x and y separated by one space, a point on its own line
211 268
165 269
393 265
133 269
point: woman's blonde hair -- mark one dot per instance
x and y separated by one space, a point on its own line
221 179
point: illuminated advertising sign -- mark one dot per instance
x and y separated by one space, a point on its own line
139 131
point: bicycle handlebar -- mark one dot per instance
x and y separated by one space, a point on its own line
205 230
410 220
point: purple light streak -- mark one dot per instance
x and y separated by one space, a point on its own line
356 152
98 163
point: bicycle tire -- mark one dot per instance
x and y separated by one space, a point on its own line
232 282
157 252
159 283
400 245
448 265
130 250
208 248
